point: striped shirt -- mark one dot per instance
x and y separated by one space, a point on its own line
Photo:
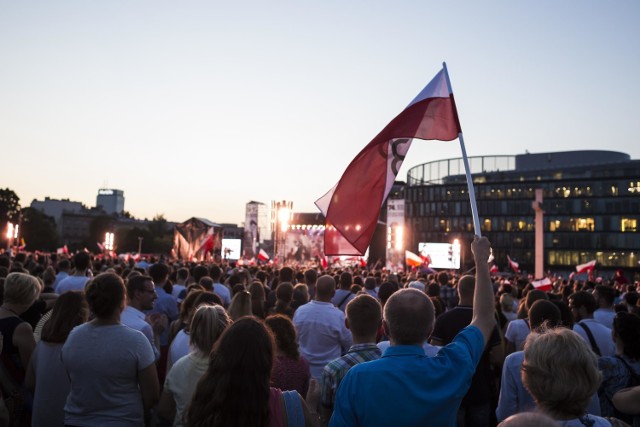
335 370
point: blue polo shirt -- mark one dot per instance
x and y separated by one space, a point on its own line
407 388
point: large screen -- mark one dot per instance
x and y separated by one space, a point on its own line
231 249
443 255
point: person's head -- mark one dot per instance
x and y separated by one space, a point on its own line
409 316
582 305
235 388
286 274
81 261
346 280
560 371
182 275
285 335
533 296
284 292
240 305
604 295
20 289
215 272
141 293
370 283
466 288
386 290
209 321
64 265
626 331
443 278
70 310
544 313
310 277
301 293
363 317
49 277
188 305
207 283
325 288
159 273
256 289
105 295
506 303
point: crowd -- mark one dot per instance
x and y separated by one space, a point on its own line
90 341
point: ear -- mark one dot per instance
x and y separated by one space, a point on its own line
385 327
346 323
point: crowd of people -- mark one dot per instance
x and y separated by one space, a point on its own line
90 341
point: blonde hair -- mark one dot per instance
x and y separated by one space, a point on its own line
240 305
560 371
209 321
21 289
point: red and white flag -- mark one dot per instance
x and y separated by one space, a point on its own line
263 255
412 259
586 267
493 269
352 206
543 285
514 265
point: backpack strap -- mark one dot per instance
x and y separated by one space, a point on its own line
592 340
634 375
293 407
344 299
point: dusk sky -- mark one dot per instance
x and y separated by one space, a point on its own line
195 108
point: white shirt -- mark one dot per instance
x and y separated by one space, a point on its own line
517 332
179 348
322 334
223 292
71 283
135 319
605 316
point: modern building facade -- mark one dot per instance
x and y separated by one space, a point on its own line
591 207
110 200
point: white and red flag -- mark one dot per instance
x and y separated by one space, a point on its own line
412 259
263 255
586 267
514 265
493 269
543 284
352 206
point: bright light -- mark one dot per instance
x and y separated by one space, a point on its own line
108 241
9 230
399 243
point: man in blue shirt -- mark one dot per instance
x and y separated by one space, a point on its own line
417 390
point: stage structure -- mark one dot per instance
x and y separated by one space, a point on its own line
197 239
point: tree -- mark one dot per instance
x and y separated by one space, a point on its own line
39 230
9 206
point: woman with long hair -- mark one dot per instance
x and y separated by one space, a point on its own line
290 369
111 367
46 375
240 305
209 321
619 370
235 389
258 299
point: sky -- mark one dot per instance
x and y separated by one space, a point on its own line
195 108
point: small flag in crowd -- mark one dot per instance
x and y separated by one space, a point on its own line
514 265
542 285
493 269
586 267
412 259
263 255
352 206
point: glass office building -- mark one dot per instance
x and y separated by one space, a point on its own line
591 207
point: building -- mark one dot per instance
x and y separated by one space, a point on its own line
591 207
55 208
110 200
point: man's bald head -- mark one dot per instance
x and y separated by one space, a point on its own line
325 288
409 316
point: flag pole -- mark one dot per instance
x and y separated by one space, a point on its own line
472 193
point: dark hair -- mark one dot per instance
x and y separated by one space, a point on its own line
607 293
285 335
409 315
206 282
136 284
105 293
286 274
199 272
158 272
182 274
215 272
386 290
364 314
543 312
346 280
310 276
81 260
584 299
64 264
627 327
70 310
188 304
235 388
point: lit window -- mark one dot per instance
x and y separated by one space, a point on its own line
583 224
629 225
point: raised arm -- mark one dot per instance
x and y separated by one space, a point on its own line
483 299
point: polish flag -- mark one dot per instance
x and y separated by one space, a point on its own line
263 255
543 285
583 268
412 259
352 206
493 269
324 262
514 265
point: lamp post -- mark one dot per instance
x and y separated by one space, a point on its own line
9 235
140 239
281 214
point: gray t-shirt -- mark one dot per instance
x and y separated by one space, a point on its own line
103 364
52 385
